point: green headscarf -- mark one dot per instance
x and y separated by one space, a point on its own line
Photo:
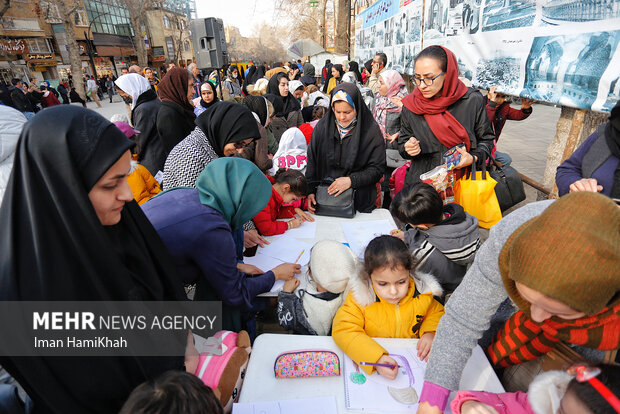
235 187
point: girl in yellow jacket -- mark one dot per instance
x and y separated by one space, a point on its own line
142 183
387 302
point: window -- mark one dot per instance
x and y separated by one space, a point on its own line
186 45
170 47
80 18
52 15
166 22
39 45
182 24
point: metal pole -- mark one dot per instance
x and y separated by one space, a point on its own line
90 54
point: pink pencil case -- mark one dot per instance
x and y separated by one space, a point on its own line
307 363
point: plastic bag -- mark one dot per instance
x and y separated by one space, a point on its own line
443 181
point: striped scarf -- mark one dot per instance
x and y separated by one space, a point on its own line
522 339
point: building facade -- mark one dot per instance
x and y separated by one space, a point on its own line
169 37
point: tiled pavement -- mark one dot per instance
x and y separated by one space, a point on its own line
526 141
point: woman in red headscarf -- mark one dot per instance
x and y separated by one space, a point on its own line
441 113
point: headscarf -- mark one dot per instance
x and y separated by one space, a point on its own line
342 96
47 200
173 88
396 88
309 77
134 85
365 129
368 65
227 122
208 84
612 136
583 274
249 79
354 67
259 107
11 123
294 85
289 103
292 144
235 187
444 125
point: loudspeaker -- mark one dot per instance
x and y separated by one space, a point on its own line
209 43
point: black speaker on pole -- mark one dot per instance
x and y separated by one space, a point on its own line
209 43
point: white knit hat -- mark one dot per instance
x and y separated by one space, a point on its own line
332 264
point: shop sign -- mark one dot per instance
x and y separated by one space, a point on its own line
13 46
158 59
40 57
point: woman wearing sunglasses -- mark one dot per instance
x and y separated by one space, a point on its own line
441 113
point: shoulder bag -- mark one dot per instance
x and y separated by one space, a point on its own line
328 205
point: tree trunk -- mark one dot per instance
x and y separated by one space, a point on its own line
341 27
322 10
137 24
74 51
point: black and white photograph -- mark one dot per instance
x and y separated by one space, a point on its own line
436 12
508 14
463 17
414 23
401 29
388 32
556 12
568 68
503 69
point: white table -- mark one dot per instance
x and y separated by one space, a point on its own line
260 383
328 228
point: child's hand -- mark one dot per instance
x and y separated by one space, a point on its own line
303 214
424 345
290 285
296 222
476 407
389 373
398 233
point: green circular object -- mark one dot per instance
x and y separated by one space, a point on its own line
358 378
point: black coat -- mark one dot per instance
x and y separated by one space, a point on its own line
152 154
173 124
469 111
328 155
20 100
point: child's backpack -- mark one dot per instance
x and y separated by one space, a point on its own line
397 180
225 372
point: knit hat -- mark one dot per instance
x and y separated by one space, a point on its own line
571 253
332 264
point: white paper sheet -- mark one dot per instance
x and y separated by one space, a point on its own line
262 261
318 405
287 249
371 392
307 230
360 233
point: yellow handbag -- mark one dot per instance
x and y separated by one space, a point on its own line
475 191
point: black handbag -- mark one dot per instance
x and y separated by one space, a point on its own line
509 189
328 205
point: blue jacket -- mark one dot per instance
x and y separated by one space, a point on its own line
570 170
202 246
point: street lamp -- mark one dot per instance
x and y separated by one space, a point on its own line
89 45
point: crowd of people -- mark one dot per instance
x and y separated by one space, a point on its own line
166 198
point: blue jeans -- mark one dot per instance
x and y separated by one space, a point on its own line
503 158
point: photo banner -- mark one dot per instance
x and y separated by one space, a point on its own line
558 51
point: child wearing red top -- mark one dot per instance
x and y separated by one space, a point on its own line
288 185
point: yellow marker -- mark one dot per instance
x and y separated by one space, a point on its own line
299 257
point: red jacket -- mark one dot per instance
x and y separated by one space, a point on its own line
266 220
49 100
499 114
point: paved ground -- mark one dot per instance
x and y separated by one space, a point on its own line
526 141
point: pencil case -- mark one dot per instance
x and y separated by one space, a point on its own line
307 363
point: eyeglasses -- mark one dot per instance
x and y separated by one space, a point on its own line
239 145
427 81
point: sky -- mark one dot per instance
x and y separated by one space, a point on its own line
244 14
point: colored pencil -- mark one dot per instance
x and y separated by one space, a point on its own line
376 364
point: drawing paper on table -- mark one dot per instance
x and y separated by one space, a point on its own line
318 405
375 393
360 233
266 263
287 249
307 230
